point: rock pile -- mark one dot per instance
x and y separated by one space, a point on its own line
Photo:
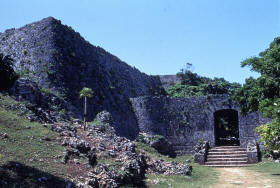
158 142
111 161
201 150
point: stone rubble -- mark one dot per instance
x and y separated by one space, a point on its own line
128 166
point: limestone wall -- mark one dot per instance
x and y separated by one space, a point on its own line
60 61
185 121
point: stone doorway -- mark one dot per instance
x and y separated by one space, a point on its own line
226 128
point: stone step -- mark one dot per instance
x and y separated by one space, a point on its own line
225 162
225 152
228 156
227 159
224 149
227 147
228 166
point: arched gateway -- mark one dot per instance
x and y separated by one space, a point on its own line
185 122
226 129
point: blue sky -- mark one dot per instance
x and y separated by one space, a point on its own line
161 36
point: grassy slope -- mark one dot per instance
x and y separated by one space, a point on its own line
201 177
24 146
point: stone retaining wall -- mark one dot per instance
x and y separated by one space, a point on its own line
185 121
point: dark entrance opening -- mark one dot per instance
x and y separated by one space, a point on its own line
226 128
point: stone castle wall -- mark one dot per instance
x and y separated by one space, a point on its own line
185 121
56 60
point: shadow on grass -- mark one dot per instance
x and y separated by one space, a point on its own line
275 174
15 174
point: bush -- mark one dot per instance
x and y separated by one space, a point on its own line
270 134
7 73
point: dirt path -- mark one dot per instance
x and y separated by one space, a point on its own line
240 177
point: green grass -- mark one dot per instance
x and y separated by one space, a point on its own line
201 176
25 146
267 168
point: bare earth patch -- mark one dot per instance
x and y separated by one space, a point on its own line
240 177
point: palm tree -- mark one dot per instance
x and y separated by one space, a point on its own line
7 73
86 93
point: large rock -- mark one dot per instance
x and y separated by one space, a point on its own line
200 152
158 142
252 152
80 145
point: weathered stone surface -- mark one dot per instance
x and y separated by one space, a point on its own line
158 142
169 80
80 145
252 152
185 121
55 63
92 158
104 118
275 154
201 150
121 164
61 62
47 107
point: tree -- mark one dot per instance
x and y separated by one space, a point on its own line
260 94
7 73
263 93
193 84
86 93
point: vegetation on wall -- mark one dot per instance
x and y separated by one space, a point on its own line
194 85
7 73
263 93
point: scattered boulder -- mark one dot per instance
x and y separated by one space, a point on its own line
45 138
92 158
275 154
66 156
130 167
102 123
92 182
130 147
104 118
201 150
158 142
5 135
80 145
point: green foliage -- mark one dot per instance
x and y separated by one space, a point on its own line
194 85
23 73
86 92
270 133
262 94
7 73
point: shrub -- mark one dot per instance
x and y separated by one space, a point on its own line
270 134
7 73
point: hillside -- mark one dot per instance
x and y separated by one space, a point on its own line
55 63
63 155
26 157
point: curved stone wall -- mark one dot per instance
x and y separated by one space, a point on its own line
185 121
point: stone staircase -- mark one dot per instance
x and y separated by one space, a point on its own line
227 156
